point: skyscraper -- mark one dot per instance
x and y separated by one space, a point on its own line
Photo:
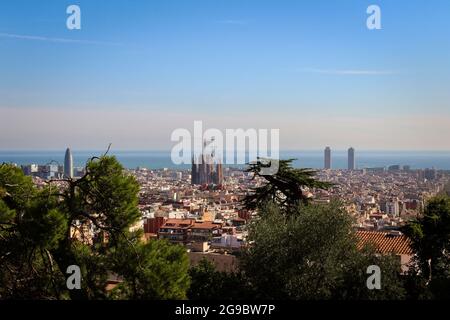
68 164
327 164
351 159
219 173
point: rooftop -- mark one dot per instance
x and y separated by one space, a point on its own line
385 242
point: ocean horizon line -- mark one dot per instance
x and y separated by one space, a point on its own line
158 159
169 151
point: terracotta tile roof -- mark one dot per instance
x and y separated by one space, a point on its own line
178 223
205 225
385 242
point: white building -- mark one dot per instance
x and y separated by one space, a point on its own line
393 208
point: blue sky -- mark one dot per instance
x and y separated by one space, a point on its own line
281 64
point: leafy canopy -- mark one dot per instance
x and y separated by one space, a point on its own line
285 187
43 231
430 236
312 254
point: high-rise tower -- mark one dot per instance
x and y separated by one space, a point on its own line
327 161
219 173
351 159
68 164
194 171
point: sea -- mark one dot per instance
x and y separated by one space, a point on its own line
304 159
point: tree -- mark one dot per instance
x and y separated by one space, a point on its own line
153 270
430 236
312 254
205 281
37 243
209 284
30 227
285 187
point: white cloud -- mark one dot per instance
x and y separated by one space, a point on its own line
353 72
59 40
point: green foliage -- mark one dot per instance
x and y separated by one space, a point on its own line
106 196
209 284
154 270
283 188
354 276
16 189
27 272
312 255
36 244
430 236
297 250
94 266
42 227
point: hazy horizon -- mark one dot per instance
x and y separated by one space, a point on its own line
305 158
281 150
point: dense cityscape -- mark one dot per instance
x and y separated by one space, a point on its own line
202 208
205 159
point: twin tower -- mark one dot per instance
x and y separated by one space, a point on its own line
351 163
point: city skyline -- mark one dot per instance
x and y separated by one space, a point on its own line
318 159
